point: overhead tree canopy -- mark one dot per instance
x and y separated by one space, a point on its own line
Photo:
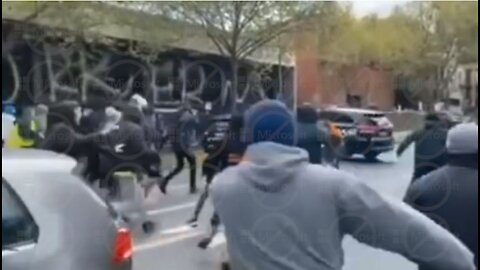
240 28
426 40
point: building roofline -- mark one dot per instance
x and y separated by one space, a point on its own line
105 20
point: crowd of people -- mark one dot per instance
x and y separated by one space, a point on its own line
281 207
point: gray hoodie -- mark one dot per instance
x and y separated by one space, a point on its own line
281 212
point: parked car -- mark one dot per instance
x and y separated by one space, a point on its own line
366 132
51 219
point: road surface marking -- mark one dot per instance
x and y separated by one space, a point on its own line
167 241
177 230
171 209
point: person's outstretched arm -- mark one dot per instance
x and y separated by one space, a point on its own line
396 227
407 142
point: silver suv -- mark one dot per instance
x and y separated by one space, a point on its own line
51 220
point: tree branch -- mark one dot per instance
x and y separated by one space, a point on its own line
253 44
264 36
236 31
252 14
216 42
215 34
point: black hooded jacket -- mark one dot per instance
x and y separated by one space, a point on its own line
430 152
183 133
449 196
309 136
62 133
125 147
224 145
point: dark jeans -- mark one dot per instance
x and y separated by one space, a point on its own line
149 164
330 155
181 155
215 219
203 198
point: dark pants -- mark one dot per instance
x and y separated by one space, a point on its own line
203 198
330 155
181 155
215 219
149 164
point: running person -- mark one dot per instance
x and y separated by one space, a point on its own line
182 138
221 153
229 154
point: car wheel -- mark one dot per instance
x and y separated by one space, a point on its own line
371 156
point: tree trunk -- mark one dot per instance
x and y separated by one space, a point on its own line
234 68
38 81
280 75
84 83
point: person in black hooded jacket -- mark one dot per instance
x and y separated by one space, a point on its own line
430 151
182 140
228 152
125 147
223 150
63 134
309 136
449 195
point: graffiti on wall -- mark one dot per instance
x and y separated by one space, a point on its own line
44 72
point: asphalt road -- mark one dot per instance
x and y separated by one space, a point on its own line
173 246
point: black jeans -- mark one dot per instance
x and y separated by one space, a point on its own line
215 219
148 164
203 197
181 155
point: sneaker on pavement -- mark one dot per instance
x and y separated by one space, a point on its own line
193 222
148 227
204 243
163 187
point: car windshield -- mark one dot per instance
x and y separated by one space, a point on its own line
273 128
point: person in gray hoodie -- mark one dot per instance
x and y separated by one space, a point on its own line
282 212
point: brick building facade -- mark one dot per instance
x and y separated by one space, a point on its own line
323 83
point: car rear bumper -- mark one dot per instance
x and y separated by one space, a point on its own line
128 265
361 145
